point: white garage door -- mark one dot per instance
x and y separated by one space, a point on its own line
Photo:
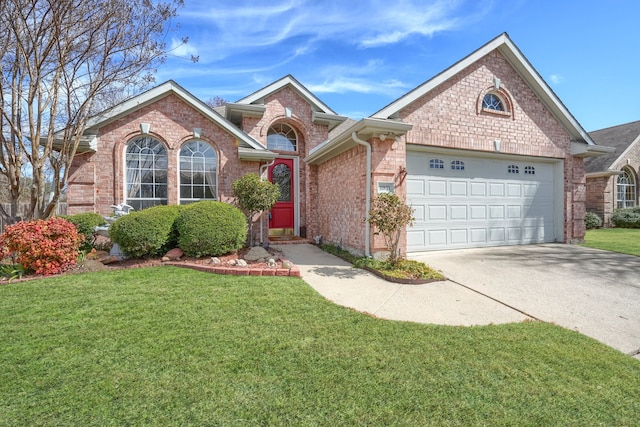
464 202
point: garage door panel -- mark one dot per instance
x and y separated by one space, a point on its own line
459 236
415 187
458 188
496 212
437 187
478 212
437 213
458 213
496 189
480 205
478 189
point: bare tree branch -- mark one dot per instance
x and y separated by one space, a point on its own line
60 59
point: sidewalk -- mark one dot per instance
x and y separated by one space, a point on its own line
443 303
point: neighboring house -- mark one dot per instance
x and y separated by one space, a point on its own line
612 179
485 153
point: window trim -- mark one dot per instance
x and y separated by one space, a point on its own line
143 202
212 148
630 186
291 130
503 95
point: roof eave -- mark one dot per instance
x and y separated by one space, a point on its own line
253 155
580 149
330 120
366 128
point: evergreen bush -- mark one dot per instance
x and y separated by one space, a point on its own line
626 218
592 220
86 223
146 233
211 228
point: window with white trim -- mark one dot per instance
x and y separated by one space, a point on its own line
493 102
198 172
529 170
626 189
513 169
146 173
282 137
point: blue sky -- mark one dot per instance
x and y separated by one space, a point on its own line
359 55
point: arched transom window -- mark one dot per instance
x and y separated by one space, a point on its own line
146 163
282 137
626 189
493 102
198 172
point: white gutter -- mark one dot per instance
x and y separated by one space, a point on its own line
367 227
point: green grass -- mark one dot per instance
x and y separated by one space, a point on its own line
167 346
624 240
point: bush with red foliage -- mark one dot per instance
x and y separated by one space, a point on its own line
43 246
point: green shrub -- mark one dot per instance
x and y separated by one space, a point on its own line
592 220
146 233
42 246
211 228
626 218
85 224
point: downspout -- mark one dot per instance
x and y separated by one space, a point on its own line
262 169
367 204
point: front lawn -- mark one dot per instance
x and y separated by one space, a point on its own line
624 240
169 346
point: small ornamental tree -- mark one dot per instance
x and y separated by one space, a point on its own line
254 195
43 246
389 215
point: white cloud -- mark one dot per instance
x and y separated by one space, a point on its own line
229 26
556 79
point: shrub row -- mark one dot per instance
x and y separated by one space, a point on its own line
203 228
626 218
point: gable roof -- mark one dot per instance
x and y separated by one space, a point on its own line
258 96
161 91
620 137
522 66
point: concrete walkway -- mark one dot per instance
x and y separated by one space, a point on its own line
467 299
443 303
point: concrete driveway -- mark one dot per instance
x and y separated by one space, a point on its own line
594 292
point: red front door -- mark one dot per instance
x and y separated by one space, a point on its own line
282 214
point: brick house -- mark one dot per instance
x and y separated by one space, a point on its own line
612 179
485 153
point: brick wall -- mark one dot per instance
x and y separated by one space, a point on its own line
449 117
309 135
97 180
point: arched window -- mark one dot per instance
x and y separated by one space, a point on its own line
493 102
146 163
626 189
282 137
198 172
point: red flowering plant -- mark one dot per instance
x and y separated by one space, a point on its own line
44 247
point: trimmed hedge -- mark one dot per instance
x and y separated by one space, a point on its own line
626 218
592 220
146 233
85 224
211 228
